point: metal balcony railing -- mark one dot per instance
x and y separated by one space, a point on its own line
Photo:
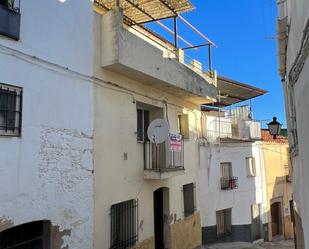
10 18
162 157
229 183
228 128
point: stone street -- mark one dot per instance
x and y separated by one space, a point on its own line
281 244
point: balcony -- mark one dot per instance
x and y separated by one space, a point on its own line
229 183
10 19
227 129
162 161
132 54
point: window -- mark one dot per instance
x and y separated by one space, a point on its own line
224 222
10 110
228 181
142 124
124 224
189 199
251 168
31 235
183 125
226 170
10 18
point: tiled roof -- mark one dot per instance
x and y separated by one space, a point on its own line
266 137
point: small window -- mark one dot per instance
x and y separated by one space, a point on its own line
142 124
183 125
30 235
226 170
124 224
251 168
10 110
224 222
189 199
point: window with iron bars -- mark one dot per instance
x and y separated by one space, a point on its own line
124 224
10 110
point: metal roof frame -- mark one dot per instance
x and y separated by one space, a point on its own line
232 92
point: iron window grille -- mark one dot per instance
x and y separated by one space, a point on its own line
189 199
229 183
10 110
32 235
124 224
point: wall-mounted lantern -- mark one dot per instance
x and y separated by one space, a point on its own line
274 127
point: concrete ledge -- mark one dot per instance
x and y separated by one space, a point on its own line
157 175
125 53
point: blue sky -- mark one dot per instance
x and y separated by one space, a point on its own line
244 31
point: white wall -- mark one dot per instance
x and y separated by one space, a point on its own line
251 190
57 31
298 14
47 172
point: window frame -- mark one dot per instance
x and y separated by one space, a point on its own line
5 129
183 125
189 207
230 169
253 165
227 222
123 238
141 136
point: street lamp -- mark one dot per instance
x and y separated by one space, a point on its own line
274 127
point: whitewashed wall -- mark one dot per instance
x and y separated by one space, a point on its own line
47 173
298 16
251 190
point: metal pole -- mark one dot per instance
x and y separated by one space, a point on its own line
209 59
175 32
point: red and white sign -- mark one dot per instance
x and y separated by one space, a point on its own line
175 142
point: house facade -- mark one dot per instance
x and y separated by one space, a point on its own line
79 88
46 120
279 185
232 188
80 84
145 193
293 46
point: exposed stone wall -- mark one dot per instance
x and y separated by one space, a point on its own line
187 234
57 187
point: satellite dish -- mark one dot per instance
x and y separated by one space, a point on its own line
158 131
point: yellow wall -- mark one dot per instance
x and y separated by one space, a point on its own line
277 167
119 178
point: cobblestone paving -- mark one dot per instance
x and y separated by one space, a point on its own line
282 244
